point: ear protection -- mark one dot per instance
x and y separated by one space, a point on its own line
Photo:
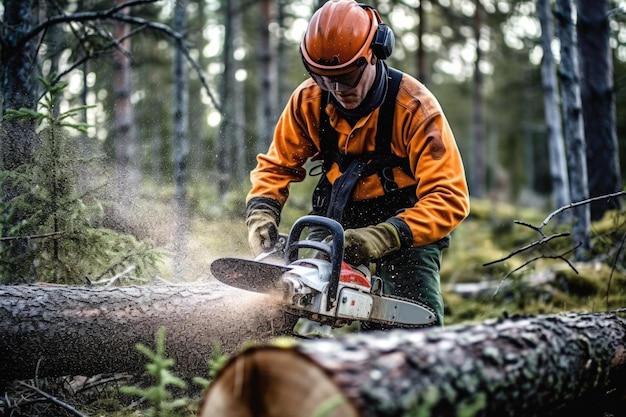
384 39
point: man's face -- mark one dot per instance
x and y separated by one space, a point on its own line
352 97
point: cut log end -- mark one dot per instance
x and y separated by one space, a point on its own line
273 382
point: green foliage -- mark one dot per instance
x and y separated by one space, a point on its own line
217 360
328 406
49 229
159 395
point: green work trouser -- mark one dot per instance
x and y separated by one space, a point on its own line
413 273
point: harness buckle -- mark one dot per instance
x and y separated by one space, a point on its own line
386 179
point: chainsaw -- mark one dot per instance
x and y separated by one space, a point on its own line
323 287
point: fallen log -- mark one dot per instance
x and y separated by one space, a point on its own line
524 366
73 330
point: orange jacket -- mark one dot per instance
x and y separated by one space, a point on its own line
420 133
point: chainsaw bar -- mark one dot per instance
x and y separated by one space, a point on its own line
248 274
398 311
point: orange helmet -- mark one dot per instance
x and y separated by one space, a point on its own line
340 37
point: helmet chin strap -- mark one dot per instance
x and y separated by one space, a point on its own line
372 100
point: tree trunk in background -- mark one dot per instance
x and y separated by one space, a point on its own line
18 140
71 330
598 98
125 144
284 90
238 102
226 134
478 133
551 102
181 146
267 80
422 73
200 140
522 367
574 128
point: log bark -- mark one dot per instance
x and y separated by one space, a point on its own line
68 330
524 366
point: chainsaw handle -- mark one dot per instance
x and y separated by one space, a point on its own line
334 249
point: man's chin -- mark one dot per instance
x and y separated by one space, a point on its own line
347 102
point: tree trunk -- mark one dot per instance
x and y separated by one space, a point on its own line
515 367
68 330
181 145
226 136
598 98
422 73
238 102
556 147
267 80
574 128
478 132
127 181
282 62
18 140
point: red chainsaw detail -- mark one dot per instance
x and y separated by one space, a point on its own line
349 275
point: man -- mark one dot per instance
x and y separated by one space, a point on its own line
392 174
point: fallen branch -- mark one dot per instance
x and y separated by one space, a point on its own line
53 400
543 239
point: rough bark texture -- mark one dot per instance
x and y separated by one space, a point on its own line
63 330
531 366
574 128
598 97
552 112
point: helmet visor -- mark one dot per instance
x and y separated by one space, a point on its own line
340 82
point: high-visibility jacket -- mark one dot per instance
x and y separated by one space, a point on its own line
421 135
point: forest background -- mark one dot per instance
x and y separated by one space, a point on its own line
129 127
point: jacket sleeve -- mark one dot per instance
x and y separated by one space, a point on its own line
442 192
291 147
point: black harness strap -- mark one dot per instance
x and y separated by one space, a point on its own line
331 200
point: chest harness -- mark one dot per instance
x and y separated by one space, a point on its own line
334 200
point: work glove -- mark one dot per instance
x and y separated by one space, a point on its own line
262 231
370 243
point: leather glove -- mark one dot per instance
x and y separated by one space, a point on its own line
262 231
370 243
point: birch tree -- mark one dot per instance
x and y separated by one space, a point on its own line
551 101
574 128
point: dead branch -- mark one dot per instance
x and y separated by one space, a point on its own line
51 399
545 239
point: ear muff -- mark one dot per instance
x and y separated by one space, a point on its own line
384 39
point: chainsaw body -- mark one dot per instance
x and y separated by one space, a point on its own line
323 287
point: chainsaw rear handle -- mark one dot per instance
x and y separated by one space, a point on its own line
334 249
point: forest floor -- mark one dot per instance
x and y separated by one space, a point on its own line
485 272
495 265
